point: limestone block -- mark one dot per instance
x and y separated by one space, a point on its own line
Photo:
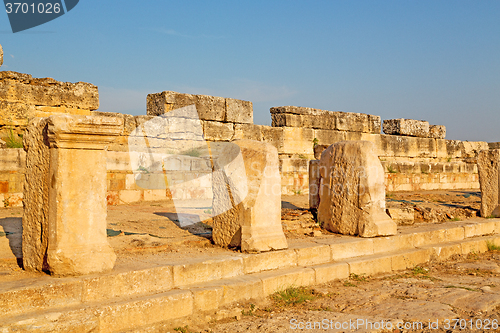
357 122
23 88
36 194
352 191
296 141
12 159
272 135
407 127
454 148
319 149
488 163
217 131
247 197
402 216
238 111
308 255
247 131
286 120
273 260
314 183
494 145
77 241
298 110
406 146
328 137
280 280
471 149
410 258
437 131
329 272
294 116
370 266
196 271
208 107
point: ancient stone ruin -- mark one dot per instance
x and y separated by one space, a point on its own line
349 191
488 163
64 225
247 197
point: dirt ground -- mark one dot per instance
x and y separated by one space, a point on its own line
452 296
160 231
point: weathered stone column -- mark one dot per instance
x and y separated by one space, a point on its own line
1 56
76 196
247 197
488 164
352 191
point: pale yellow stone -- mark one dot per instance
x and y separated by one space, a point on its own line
352 191
308 255
281 280
478 245
443 252
243 288
488 162
207 298
255 263
429 237
479 229
73 190
143 312
157 279
36 196
394 243
195 271
247 197
410 259
370 266
454 234
329 272
352 248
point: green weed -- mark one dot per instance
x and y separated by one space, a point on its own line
292 296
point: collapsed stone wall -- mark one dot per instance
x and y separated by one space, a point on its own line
23 97
418 158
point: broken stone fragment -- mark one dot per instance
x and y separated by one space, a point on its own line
488 163
406 127
437 131
247 197
352 191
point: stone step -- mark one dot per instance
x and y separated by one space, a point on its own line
411 245
130 311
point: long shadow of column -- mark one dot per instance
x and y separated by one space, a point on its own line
11 228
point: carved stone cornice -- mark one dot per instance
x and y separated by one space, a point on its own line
83 132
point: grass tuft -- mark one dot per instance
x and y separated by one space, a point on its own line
492 247
292 296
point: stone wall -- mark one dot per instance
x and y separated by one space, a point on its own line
23 97
410 162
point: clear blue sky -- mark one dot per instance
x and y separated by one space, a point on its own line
432 60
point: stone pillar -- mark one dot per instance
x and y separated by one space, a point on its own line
247 197
1 56
488 164
76 200
352 191
314 181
